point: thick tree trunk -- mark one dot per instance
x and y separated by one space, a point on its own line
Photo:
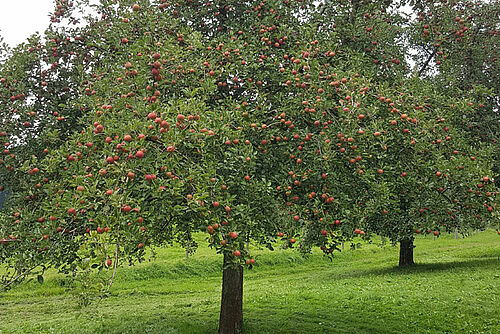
231 310
406 253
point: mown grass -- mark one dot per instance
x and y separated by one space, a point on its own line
454 288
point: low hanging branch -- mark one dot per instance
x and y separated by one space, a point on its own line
21 277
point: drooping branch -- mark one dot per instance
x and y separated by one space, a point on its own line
21 276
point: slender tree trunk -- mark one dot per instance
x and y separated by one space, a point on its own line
342 244
456 233
231 310
188 245
246 245
406 253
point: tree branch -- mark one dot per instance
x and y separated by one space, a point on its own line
424 67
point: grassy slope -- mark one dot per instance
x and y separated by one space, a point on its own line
454 288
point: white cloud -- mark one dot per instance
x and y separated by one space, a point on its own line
19 19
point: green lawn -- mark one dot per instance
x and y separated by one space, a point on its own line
454 288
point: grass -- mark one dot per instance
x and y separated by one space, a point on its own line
453 288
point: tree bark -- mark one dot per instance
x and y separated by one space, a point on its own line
231 310
406 253
456 233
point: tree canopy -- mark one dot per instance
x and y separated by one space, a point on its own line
286 121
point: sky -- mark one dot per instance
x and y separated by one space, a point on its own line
19 19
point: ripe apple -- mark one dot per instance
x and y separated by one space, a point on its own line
126 208
210 230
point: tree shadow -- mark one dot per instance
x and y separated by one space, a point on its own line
493 262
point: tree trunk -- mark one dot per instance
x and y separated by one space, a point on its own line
231 310
406 253
456 233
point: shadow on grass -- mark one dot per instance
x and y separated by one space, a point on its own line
493 262
161 322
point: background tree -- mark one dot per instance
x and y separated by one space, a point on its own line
387 181
457 43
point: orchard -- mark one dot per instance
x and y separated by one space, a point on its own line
292 124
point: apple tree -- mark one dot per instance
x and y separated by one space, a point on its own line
456 43
164 149
379 156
